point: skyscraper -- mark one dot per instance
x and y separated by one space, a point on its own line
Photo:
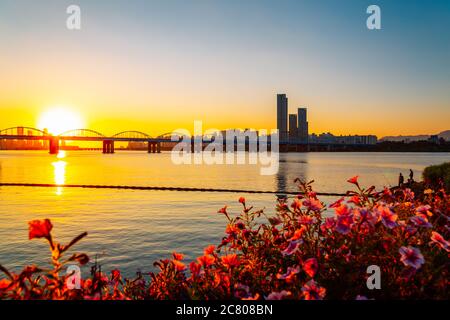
282 115
293 132
303 131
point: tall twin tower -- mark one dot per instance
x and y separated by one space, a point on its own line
298 125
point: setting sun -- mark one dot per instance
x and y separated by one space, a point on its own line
60 119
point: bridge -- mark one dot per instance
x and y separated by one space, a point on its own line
29 133
154 143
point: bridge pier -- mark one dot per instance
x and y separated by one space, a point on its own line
54 145
154 147
108 146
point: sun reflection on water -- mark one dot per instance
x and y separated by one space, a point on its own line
59 171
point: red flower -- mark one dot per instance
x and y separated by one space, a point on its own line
230 260
206 260
298 233
195 268
337 203
242 200
289 275
439 239
353 180
223 210
355 199
178 256
179 265
296 204
115 275
39 229
310 267
4 283
209 249
312 291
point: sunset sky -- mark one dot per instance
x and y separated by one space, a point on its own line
156 66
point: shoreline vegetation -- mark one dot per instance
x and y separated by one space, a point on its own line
295 253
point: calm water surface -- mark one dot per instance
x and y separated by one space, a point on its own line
131 229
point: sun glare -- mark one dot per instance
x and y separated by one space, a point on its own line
60 119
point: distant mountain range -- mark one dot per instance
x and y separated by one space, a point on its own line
443 134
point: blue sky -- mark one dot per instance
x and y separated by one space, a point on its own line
210 60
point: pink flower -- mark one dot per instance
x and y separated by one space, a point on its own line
289 275
388 218
306 220
355 199
420 221
241 291
278 295
365 215
312 291
409 195
329 223
425 210
337 203
310 267
411 256
437 238
353 180
313 204
344 224
293 247
342 210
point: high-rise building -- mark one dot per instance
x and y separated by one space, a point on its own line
293 132
303 131
282 116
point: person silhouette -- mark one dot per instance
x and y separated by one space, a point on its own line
401 180
411 175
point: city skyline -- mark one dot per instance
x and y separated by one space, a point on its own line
222 63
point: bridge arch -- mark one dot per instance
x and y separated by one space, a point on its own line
18 131
81 133
169 134
132 134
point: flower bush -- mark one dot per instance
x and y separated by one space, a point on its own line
300 252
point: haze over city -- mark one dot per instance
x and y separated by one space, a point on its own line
133 67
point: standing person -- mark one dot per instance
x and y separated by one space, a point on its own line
401 180
411 176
